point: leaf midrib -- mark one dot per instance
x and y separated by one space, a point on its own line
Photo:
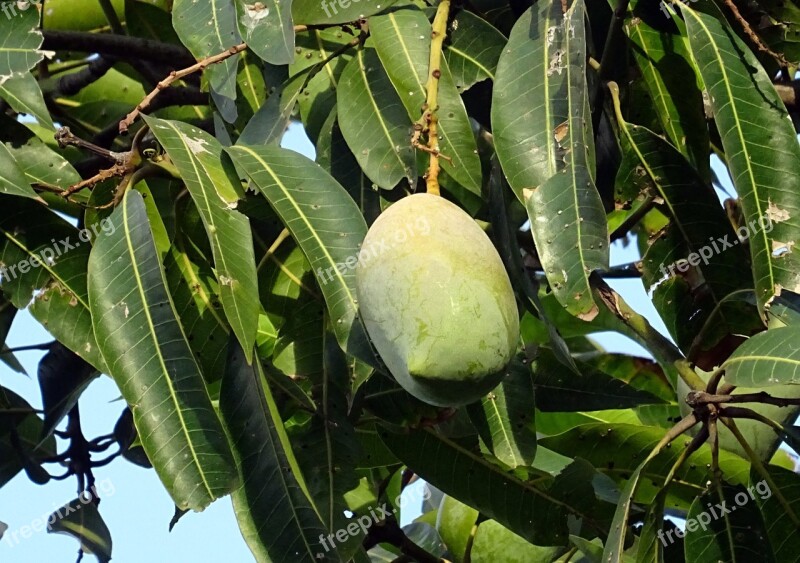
162 362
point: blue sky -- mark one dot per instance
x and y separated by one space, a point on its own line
139 510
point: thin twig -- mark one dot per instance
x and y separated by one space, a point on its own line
173 76
65 138
178 74
763 397
753 36
29 347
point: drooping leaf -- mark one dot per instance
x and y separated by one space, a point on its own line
324 221
272 495
211 181
148 356
63 376
547 153
752 122
374 122
494 542
669 75
403 41
81 519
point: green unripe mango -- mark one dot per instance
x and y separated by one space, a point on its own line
436 301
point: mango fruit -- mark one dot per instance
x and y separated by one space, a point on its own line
436 301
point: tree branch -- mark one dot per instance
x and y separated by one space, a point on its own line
72 83
702 398
121 46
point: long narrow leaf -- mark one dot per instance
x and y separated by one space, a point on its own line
148 356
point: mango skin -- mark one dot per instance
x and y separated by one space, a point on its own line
436 301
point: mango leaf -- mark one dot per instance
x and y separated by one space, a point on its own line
529 108
619 452
194 290
80 519
310 12
767 359
53 283
23 94
324 221
337 159
12 178
42 165
669 75
326 446
148 356
19 44
566 213
403 41
473 50
454 522
504 418
569 229
318 97
780 507
494 542
211 181
18 415
559 389
267 29
209 28
374 122
721 526
537 514
697 225
752 121
272 495
63 377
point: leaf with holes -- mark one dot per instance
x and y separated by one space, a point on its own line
752 122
